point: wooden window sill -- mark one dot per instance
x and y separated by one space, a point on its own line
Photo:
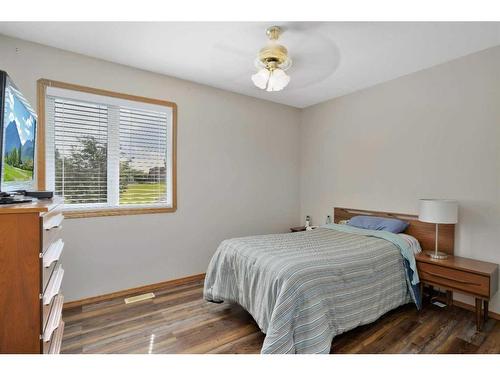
79 214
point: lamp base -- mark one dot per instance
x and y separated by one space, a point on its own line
438 255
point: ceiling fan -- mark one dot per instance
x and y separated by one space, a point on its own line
272 62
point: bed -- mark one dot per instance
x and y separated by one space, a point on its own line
305 288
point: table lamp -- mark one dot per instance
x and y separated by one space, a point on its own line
438 211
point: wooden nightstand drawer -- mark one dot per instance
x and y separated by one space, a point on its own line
455 279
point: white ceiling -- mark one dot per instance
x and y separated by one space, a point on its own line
330 59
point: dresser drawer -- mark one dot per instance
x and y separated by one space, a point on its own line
52 220
53 253
46 313
54 319
54 285
51 236
454 279
46 275
54 345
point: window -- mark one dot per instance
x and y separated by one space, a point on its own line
107 153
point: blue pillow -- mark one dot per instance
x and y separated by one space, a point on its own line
378 223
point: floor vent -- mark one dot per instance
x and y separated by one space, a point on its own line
138 298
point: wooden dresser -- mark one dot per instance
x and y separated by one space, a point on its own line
30 277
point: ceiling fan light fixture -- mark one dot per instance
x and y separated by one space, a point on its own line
272 62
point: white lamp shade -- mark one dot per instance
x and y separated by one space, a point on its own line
260 78
438 211
278 80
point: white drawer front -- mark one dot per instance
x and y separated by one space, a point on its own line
51 236
47 274
54 285
53 222
53 253
54 318
55 342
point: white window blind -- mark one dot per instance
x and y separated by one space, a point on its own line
106 152
81 144
143 156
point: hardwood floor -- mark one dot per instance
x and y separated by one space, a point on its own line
178 320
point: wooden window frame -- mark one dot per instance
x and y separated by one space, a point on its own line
42 85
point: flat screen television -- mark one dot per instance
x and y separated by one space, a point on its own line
18 124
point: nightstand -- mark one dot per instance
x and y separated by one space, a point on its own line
468 276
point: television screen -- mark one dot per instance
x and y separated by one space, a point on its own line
18 151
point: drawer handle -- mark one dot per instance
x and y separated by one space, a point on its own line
449 278
54 318
54 285
53 253
53 222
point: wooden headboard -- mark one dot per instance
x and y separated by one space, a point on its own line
423 232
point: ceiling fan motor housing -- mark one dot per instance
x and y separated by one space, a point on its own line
273 56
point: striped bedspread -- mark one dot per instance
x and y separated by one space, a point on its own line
305 288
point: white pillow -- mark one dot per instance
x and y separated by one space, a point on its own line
412 241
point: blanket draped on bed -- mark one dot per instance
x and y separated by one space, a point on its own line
305 288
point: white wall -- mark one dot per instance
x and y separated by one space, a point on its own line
238 174
434 133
